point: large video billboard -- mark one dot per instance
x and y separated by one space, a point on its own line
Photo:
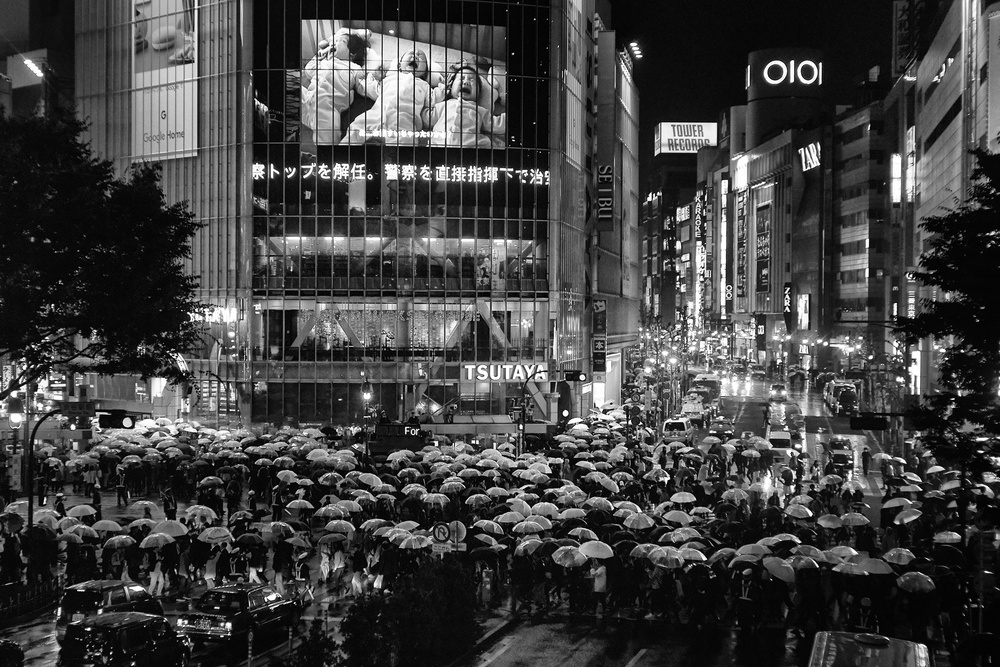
411 84
164 79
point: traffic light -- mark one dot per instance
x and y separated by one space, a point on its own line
116 419
576 376
869 422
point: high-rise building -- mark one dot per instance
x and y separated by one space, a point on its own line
396 200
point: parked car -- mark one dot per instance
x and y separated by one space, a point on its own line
100 597
757 371
123 638
678 429
237 613
847 401
778 392
846 649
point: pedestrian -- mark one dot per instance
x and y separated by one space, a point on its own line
866 460
120 490
95 500
599 575
169 504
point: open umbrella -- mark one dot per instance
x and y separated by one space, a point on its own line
81 511
677 516
916 582
830 521
569 557
898 556
876 566
798 511
780 569
155 541
527 547
215 535
107 526
249 540
907 515
596 549
639 522
682 497
143 505
171 528
947 537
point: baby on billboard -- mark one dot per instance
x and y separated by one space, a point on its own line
363 86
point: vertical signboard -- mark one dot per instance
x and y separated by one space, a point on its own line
599 354
164 79
788 307
699 256
760 331
763 228
741 244
606 107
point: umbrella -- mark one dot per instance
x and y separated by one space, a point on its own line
753 550
907 515
798 511
692 555
215 535
487 526
211 480
947 537
297 542
780 569
143 505
202 511
526 528
73 538
569 557
639 522
249 540
142 523
843 551
851 569
171 528
107 525
509 517
583 534
155 541
666 557
299 504
799 562
876 566
897 502
677 516
916 582
830 521
81 510
333 538
899 556
682 497
855 519
527 547
642 550
596 549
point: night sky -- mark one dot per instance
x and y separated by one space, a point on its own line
695 51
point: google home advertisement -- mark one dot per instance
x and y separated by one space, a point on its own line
164 79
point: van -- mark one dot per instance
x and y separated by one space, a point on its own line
713 382
847 649
694 409
831 394
678 429
847 401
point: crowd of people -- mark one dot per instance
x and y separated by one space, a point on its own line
601 519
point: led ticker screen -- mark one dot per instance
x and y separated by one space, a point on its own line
399 83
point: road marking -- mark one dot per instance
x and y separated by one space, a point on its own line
493 654
635 659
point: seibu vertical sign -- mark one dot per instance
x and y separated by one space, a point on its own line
605 209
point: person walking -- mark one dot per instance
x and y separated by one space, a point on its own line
599 574
156 580
169 504
95 501
866 460
120 490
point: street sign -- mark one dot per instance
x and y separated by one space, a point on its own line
441 547
457 531
441 532
78 408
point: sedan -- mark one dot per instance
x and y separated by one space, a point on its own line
778 393
238 613
721 429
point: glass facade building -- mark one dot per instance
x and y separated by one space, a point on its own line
381 186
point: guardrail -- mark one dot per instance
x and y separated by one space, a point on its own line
18 600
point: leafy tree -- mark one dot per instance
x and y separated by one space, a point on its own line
318 649
963 263
92 274
428 619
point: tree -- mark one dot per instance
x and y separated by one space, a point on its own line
92 277
428 619
318 649
963 263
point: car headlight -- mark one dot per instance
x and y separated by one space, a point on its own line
181 622
227 626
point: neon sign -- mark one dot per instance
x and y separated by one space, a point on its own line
809 156
806 72
505 372
347 172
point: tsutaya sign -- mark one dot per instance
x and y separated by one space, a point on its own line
505 372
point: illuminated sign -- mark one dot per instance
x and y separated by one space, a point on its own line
741 173
809 156
505 372
896 178
741 244
422 84
349 171
802 312
683 213
763 223
787 307
684 137
806 72
605 197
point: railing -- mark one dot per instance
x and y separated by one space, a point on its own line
19 600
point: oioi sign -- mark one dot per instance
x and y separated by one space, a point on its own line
806 72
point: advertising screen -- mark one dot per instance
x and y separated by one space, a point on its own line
403 84
164 79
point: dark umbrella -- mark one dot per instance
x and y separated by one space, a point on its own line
249 540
